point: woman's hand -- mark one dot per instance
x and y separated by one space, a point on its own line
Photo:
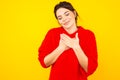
62 45
70 42
74 44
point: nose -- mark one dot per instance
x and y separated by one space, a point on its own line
64 19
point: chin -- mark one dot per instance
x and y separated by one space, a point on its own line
66 27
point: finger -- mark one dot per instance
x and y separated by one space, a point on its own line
60 36
63 41
76 36
66 37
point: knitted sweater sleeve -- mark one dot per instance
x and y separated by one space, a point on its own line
45 48
91 53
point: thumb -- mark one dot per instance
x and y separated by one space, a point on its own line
76 36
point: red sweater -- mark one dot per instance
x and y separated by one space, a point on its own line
67 66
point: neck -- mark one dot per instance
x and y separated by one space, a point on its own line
72 29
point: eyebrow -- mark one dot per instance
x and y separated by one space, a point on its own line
64 13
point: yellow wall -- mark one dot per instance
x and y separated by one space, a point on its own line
24 23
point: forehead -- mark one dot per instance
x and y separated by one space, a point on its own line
61 11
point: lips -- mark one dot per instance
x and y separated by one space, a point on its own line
66 23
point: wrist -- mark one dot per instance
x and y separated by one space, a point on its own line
76 47
60 49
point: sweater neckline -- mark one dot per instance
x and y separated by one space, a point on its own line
71 34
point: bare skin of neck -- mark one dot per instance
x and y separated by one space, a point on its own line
71 29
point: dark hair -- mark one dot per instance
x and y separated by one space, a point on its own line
66 5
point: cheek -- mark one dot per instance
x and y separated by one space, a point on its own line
72 16
60 22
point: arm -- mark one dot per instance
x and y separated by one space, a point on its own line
48 55
87 59
74 44
82 58
53 56
91 52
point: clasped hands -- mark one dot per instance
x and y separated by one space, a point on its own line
66 42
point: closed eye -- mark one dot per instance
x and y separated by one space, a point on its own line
59 18
67 14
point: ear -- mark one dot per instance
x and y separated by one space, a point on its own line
75 13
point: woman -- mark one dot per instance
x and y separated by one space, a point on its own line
70 49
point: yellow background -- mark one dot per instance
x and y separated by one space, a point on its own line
24 23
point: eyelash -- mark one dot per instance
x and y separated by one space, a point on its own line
67 14
60 18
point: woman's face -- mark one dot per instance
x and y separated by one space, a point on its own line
65 17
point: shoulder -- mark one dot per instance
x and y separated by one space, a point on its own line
85 31
51 33
54 30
